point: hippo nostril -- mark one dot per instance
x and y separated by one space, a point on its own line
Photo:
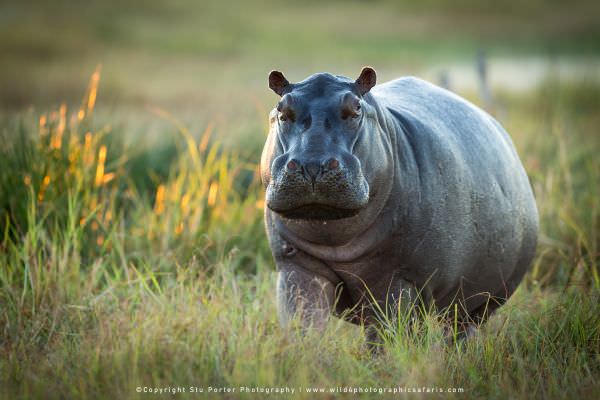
333 163
292 165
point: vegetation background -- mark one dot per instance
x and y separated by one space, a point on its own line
132 251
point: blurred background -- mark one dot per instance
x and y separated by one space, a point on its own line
207 61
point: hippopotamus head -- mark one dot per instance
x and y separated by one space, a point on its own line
325 156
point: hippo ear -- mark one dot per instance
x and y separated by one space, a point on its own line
278 83
366 80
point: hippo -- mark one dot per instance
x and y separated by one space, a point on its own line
382 198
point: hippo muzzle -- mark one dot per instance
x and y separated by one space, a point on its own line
317 187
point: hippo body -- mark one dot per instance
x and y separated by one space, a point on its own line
402 192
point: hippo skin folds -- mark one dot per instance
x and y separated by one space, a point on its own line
381 198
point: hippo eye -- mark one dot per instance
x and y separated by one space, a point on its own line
286 115
286 112
350 106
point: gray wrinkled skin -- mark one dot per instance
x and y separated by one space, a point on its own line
428 201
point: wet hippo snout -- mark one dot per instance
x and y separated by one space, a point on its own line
312 170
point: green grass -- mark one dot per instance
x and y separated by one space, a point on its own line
121 268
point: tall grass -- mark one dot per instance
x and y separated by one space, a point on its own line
74 222
108 284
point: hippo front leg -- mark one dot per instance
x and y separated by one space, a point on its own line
306 296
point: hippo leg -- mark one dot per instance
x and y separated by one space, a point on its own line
308 297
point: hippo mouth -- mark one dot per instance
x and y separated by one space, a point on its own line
319 212
334 196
